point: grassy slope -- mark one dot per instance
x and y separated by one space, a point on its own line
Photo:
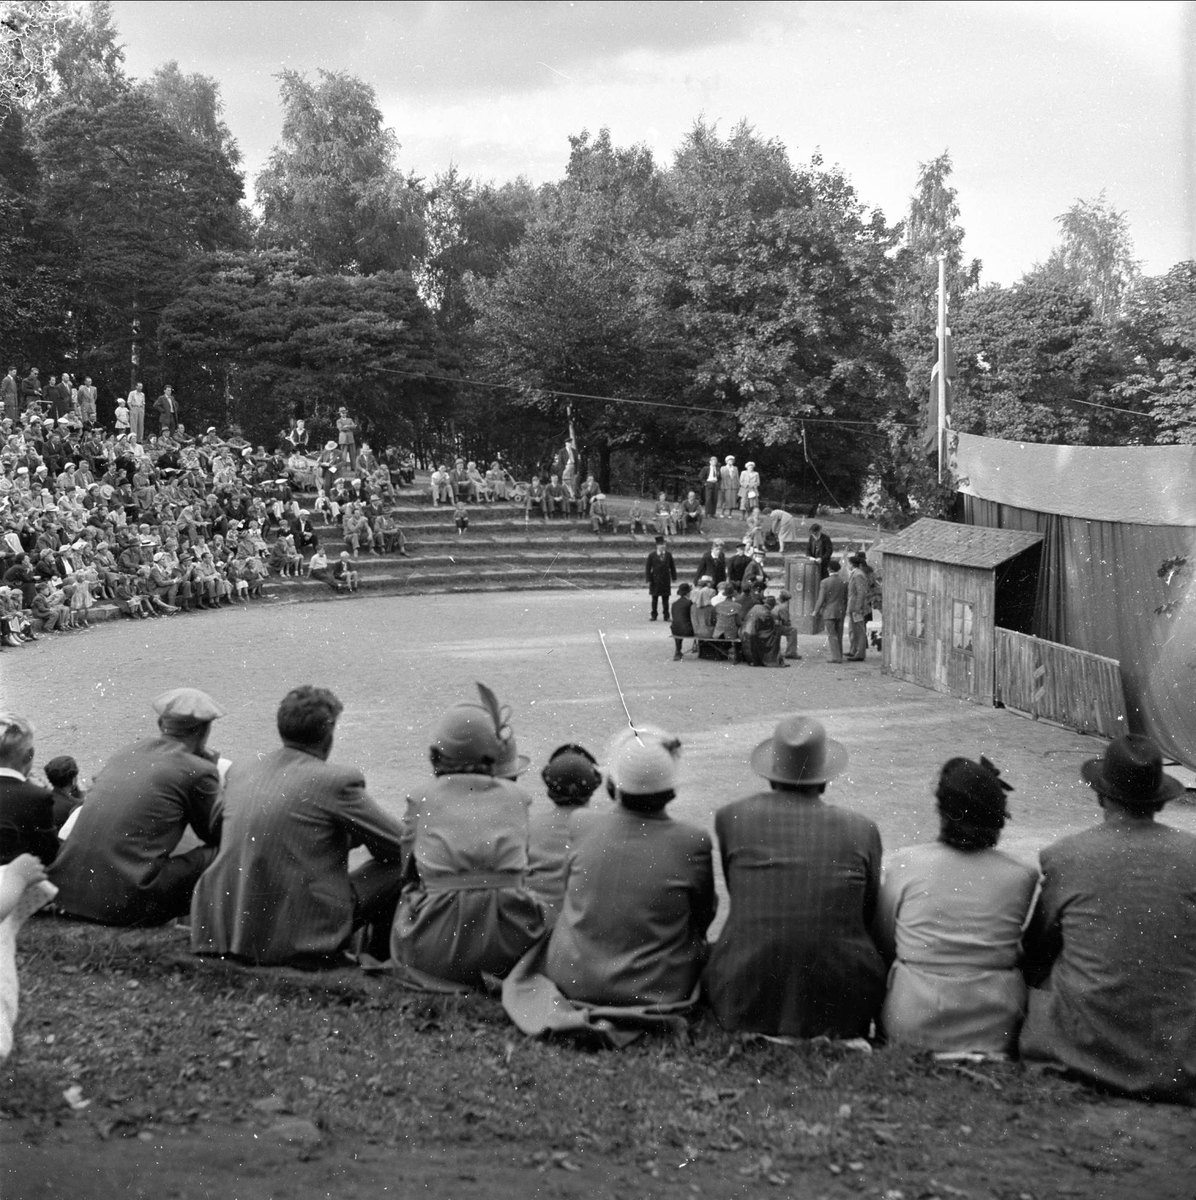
159 1042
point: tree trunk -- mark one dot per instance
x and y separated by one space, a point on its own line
604 466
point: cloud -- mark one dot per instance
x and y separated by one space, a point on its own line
1039 103
436 49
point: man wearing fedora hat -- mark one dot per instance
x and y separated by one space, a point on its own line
796 956
118 865
1111 949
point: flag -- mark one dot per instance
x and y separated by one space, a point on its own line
935 422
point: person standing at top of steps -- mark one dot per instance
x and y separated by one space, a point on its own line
346 433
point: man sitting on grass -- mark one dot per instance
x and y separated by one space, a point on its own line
118 865
280 890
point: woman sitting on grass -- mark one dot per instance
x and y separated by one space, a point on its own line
468 913
639 897
950 921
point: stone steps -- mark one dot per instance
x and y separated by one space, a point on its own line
501 550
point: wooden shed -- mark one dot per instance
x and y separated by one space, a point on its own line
946 589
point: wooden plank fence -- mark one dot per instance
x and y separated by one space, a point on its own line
1052 682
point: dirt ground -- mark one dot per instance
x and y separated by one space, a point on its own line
397 663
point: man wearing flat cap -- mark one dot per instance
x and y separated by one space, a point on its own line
118 865
797 956
1111 948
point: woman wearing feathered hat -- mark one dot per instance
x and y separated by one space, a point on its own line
468 911
1111 949
950 920
796 956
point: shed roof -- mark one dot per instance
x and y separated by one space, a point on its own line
960 545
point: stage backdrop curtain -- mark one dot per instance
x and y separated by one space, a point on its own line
1098 588
1137 485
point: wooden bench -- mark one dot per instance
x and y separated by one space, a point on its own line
720 649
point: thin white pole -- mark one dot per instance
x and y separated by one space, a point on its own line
942 372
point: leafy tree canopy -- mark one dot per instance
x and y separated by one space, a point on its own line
331 189
1095 256
266 337
1159 329
1030 358
127 198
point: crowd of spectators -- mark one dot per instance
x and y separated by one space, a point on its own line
597 917
170 522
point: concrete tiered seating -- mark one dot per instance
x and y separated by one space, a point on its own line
500 551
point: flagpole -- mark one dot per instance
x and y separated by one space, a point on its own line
942 368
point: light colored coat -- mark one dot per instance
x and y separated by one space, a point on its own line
470 912
951 921
832 598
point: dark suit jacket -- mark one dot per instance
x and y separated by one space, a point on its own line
796 956
137 811
639 897
832 598
716 568
660 571
821 547
26 821
279 888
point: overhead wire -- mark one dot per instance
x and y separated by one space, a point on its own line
864 427
867 428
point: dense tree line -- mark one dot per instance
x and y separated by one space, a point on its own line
731 301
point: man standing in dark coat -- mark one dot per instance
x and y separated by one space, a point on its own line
59 396
167 408
831 607
714 564
9 392
118 865
661 572
31 390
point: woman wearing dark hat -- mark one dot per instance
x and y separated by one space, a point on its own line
468 912
796 956
1111 950
571 777
950 920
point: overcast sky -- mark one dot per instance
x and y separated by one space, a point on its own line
1038 103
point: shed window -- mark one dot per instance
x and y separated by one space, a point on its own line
915 615
961 625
